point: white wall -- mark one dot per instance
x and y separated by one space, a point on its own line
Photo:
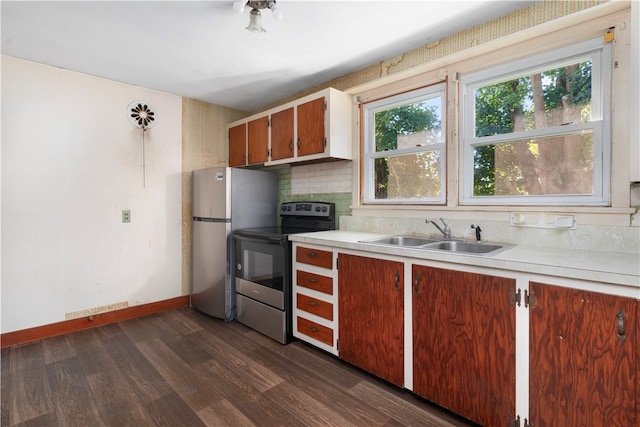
71 162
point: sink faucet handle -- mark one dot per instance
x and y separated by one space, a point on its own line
447 229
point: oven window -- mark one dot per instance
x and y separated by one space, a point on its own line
261 262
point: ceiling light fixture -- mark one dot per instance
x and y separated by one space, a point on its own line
255 17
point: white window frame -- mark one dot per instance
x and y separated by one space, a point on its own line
370 154
600 54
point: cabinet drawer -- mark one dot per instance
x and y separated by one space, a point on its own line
314 257
315 331
315 306
316 282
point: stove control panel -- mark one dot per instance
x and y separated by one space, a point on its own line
317 209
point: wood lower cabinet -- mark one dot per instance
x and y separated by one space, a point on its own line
583 358
580 343
316 331
464 343
312 256
314 297
371 315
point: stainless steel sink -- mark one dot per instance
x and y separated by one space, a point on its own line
453 246
410 241
466 247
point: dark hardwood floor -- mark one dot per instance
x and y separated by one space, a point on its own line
181 368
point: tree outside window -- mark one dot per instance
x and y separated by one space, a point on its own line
405 156
539 134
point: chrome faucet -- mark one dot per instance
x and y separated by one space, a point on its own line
447 230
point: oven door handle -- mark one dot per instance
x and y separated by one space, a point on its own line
267 240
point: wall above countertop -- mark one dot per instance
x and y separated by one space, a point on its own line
584 237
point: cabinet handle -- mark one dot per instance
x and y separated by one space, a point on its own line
298 143
291 145
312 280
312 329
416 287
621 335
312 254
397 280
312 303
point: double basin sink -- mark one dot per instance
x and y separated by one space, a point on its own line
453 246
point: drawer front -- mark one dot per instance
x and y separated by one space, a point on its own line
315 257
315 306
316 282
315 331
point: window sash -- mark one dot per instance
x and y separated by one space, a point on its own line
370 153
600 55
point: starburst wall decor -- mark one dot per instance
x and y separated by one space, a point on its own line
142 116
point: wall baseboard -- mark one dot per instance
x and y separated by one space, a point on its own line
33 334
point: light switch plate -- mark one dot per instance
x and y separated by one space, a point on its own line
126 216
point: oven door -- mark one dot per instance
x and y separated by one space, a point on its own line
261 269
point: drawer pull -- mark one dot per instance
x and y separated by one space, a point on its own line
312 254
312 303
312 329
621 335
312 280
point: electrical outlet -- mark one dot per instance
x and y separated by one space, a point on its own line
126 216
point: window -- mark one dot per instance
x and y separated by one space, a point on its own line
404 148
537 132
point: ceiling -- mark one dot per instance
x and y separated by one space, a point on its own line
201 50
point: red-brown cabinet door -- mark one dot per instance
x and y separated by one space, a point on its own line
258 140
238 145
371 315
583 360
282 134
464 343
311 127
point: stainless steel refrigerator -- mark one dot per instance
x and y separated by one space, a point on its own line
225 199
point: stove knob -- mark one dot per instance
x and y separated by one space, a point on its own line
324 209
288 208
317 208
283 208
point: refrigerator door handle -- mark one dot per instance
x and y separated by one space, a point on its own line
202 219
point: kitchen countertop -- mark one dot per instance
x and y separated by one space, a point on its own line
608 267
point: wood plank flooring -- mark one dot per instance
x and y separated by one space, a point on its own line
182 368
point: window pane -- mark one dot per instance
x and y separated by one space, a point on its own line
560 165
411 125
540 100
411 176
